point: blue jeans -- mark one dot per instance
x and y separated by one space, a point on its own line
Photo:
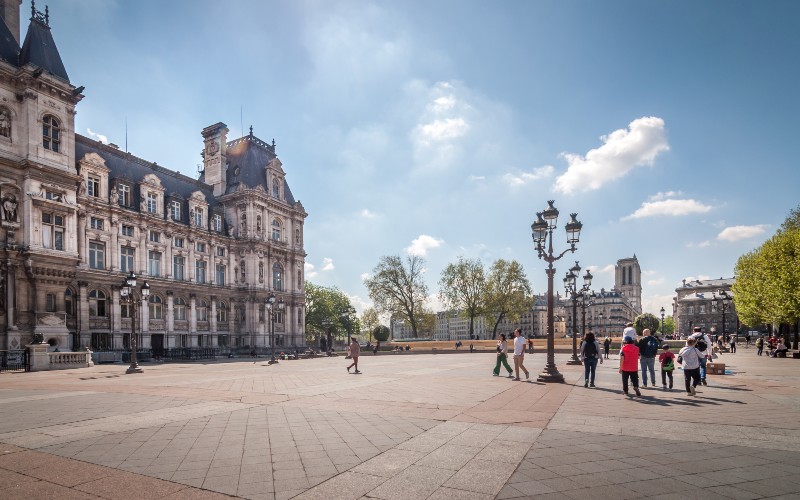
589 367
702 368
648 364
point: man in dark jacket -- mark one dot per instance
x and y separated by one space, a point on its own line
648 348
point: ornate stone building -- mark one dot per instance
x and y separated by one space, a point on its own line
79 215
700 303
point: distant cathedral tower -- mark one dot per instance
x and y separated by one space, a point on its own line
628 280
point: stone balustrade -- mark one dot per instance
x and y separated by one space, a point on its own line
41 360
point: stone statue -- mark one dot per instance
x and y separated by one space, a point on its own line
114 197
5 123
10 208
82 187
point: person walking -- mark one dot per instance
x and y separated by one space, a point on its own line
589 354
760 345
629 364
606 346
355 350
690 358
502 350
648 348
705 347
519 354
630 331
667 361
733 343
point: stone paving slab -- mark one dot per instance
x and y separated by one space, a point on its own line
422 426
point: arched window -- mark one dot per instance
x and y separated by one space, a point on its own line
180 309
277 277
51 133
222 313
97 304
275 187
154 307
276 230
202 311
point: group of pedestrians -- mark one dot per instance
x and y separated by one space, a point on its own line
519 356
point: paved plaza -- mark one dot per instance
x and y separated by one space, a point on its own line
411 426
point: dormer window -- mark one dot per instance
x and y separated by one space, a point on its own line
175 210
51 133
124 193
93 186
152 203
275 187
198 217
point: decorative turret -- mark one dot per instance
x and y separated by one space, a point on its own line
214 157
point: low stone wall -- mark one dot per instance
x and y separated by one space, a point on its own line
41 360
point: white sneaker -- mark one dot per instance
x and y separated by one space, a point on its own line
694 391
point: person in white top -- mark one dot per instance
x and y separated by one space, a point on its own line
630 331
519 354
706 351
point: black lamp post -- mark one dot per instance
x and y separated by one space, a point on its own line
662 322
570 285
273 309
723 302
542 233
601 317
126 295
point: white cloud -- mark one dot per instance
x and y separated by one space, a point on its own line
668 207
622 150
100 137
654 303
475 178
444 103
517 180
367 214
609 269
665 195
735 233
442 130
702 244
422 244
327 264
365 276
655 282
309 270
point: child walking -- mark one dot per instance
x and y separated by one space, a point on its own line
689 356
667 360
629 365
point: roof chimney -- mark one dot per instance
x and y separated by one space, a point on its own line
9 10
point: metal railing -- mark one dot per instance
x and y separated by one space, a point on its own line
14 361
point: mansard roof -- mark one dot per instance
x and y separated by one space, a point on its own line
9 48
124 165
247 158
39 48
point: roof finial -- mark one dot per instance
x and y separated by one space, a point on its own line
33 8
273 144
47 15
251 131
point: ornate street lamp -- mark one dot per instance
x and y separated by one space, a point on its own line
602 319
662 322
273 309
571 287
126 293
542 233
723 302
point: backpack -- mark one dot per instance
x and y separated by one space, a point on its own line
668 365
649 347
590 350
701 344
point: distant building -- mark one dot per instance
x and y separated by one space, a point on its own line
453 325
694 305
628 282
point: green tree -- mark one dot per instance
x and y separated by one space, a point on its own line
669 326
381 333
369 320
324 309
646 320
508 293
397 288
462 287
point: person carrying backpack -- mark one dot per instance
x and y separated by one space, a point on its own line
606 346
667 360
589 354
648 348
705 347
760 345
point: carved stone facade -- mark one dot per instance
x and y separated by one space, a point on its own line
77 215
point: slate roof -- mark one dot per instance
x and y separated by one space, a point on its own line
247 158
126 166
39 49
9 48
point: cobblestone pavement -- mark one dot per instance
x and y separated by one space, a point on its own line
411 426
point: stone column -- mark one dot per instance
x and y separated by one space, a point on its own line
113 252
212 320
84 328
192 319
170 333
83 258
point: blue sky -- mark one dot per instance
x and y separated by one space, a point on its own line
440 128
